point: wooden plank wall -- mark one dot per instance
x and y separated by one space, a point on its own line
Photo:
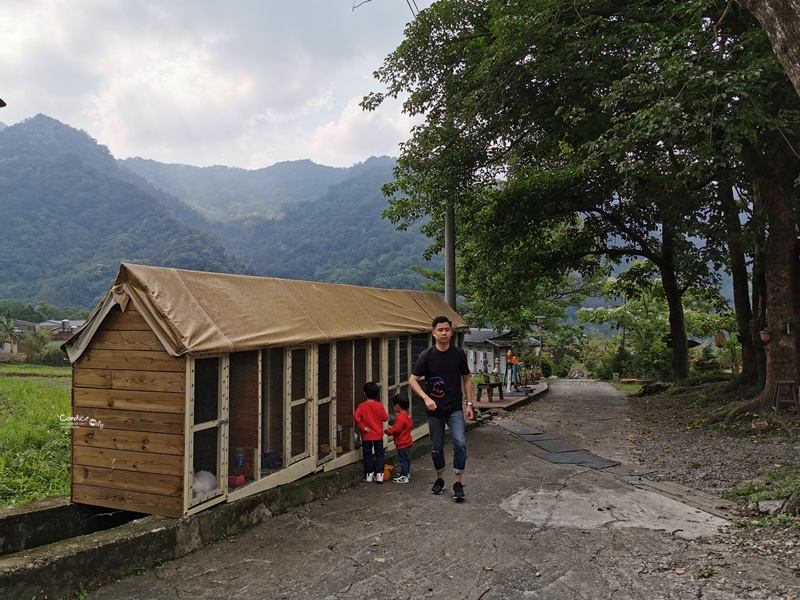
132 457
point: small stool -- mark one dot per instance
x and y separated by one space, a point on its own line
488 387
781 397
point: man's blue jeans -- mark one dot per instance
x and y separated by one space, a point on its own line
458 437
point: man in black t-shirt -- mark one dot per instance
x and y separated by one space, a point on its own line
445 370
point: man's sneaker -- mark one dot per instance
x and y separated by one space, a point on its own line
369 477
438 486
458 491
378 477
401 479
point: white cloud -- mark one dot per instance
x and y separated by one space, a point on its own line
243 83
356 135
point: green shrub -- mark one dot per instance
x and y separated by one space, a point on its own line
53 356
777 484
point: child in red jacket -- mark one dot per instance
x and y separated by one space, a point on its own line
401 431
369 417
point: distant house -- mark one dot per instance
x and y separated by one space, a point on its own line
25 326
191 389
487 349
63 329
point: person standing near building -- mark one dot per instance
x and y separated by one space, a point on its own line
445 370
514 370
401 433
369 417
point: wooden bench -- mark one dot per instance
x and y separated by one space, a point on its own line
488 387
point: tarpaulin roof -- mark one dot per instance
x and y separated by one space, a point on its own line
194 312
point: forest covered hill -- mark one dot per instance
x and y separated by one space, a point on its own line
72 213
220 193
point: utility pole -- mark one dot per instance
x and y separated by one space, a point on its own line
450 256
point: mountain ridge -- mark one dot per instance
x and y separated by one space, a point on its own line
73 213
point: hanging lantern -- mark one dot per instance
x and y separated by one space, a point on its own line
719 339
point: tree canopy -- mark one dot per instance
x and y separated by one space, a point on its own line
572 137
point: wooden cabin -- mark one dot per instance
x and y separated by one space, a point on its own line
193 388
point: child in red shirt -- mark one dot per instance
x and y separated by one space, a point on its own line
401 431
369 417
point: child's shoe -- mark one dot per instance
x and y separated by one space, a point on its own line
369 477
378 477
401 479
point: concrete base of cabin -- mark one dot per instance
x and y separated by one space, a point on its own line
59 569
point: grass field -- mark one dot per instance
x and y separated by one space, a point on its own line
34 435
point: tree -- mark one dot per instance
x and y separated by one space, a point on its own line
781 22
7 331
613 143
495 101
735 113
36 344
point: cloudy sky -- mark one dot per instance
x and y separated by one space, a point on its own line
241 83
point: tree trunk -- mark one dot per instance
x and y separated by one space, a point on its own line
759 300
741 286
781 22
450 257
781 267
775 172
672 291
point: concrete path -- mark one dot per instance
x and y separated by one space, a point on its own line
530 528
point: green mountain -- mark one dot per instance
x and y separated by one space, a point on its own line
338 238
222 192
71 213
70 218
307 221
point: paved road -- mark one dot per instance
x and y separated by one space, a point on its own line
529 529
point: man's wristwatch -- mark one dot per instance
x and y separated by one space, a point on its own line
469 403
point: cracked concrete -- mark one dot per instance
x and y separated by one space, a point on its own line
528 529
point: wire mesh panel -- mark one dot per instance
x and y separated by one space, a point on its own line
324 359
393 358
206 390
418 343
345 395
376 373
274 400
206 458
243 413
405 359
299 430
360 371
205 461
326 442
397 369
300 403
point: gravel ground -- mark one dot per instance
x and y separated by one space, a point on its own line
670 441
